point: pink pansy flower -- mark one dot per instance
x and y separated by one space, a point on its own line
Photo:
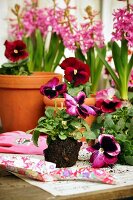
75 105
104 152
53 89
106 101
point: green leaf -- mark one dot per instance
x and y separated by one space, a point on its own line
109 68
89 135
124 52
79 54
130 65
116 53
59 55
75 91
120 124
121 137
129 160
35 137
78 135
49 112
76 124
108 123
39 47
62 137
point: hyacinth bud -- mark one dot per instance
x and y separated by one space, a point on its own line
35 3
67 2
88 10
17 8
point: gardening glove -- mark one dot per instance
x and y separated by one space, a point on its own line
21 143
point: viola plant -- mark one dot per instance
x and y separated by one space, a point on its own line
105 151
18 58
115 118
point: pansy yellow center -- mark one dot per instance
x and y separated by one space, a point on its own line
75 71
15 51
101 150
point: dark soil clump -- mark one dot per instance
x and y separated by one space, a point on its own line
63 152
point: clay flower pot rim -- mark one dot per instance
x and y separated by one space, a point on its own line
34 80
59 101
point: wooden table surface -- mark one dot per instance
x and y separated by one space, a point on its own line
13 188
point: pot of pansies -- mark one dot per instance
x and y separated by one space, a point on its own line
33 61
21 104
76 79
65 128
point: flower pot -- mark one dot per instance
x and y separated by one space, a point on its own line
21 104
63 152
60 102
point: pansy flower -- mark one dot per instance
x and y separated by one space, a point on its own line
104 152
15 50
53 89
75 105
76 71
106 101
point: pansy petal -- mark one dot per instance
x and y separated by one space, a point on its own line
52 83
69 100
98 159
68 62
80 98
109 144
51 93
81 77
110 160
72 110
89 109
116 152
69 74
82 112
61 88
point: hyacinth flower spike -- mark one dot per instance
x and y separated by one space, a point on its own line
75 105
104 152
53 89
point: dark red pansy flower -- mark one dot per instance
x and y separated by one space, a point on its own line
53 89
105 151
15 50
76 71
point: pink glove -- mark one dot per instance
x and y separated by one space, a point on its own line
20 142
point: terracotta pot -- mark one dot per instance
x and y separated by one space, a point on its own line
61 103
21 104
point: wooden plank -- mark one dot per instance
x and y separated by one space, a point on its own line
13 188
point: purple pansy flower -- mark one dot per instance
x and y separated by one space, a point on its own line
104 152
52 88
75 105
106 101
